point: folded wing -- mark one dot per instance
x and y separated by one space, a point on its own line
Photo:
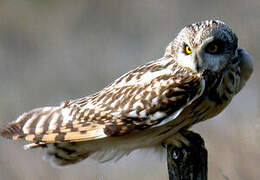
123 107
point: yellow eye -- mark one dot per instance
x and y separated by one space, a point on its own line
187 50
212 48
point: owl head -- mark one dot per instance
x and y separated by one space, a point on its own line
208 45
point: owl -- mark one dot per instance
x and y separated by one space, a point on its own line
197 77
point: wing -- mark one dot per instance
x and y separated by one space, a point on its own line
141 99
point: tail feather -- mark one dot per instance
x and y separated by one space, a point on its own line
47 128
32 125
55 124
12 131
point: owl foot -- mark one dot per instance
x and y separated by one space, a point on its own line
177 141
189 161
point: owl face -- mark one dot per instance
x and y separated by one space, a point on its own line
207 45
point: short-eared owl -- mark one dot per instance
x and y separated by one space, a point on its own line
200 72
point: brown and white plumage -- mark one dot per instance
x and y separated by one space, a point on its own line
148 105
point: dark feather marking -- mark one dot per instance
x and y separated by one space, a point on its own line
68 151
61 158
75 113
112 130
101 97
81 114
38 138
199 113
229 91
60 137
164 132
12 130
224 97
83 132
59 122
129 77
231 78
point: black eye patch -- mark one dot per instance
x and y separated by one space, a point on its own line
215 47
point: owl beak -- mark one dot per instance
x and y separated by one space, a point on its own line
198 63
198 55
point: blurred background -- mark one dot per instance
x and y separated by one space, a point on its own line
54 50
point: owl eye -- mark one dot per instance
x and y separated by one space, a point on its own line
187 49
214 47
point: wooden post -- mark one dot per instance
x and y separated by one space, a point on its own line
188 162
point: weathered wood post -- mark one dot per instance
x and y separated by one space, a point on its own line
188 162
